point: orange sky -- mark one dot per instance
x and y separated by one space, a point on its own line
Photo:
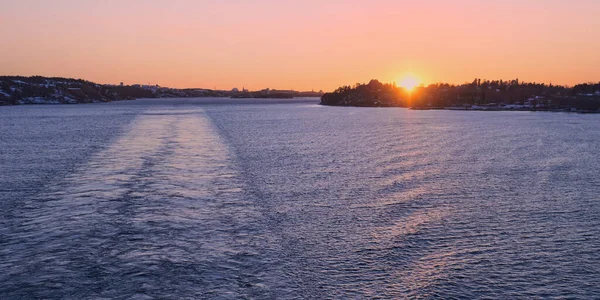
303 44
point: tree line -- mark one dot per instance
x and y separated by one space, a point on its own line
585 96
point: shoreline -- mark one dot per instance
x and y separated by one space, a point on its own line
529 109
491 109
216 100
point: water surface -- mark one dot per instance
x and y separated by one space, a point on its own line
229 199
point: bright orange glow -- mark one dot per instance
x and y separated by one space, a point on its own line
302 44
409 82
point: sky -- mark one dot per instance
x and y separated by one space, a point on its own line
300 44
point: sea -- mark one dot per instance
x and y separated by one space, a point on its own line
286 199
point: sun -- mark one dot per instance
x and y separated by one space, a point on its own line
409 82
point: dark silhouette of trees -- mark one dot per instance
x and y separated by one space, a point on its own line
374 93
488 94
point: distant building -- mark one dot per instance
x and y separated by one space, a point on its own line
235 90
121 84
152 88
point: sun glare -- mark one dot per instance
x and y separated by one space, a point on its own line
409 82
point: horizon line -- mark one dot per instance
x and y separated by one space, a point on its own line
422 84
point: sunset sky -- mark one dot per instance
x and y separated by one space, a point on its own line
300 44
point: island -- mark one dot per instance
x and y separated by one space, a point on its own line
19 90
480 95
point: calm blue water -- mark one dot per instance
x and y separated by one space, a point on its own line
200 199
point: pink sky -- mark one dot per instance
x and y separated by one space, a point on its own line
304 44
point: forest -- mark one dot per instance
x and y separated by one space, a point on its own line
478 94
